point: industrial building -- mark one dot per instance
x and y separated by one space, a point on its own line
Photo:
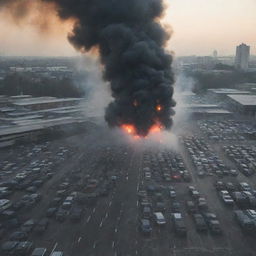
222 93
246 104
24 117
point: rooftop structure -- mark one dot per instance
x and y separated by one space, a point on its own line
225 91
42 100
245 100
245 104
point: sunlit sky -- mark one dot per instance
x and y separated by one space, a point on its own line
199 27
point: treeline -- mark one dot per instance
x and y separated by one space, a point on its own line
215 80
16 84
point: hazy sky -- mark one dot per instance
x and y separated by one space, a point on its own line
199 26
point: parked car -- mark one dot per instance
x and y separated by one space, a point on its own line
18 236
159 218
246 223
8 247
244 186
226 198
199 222
179 224
191 207
145 226
42 226
76 213
23 248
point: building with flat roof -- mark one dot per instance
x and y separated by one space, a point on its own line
222 93
29 118
39 103
245 104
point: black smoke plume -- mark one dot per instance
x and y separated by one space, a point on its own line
130 41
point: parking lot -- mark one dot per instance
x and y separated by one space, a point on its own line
87 194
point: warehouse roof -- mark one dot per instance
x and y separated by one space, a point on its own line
228 91
246 100
43 100
37 125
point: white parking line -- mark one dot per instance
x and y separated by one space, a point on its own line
106 216
113 244
101 223
88 219
93 210
115 230
110 203
79 239
54 247
94 245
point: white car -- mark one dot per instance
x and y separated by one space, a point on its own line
225 196
159 218
245 186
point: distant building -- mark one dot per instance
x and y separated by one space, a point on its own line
215 54
242 57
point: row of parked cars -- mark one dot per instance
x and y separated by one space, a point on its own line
243 156
241 194
205 161
196 207
70 197
159 200
19 193
165 166
243 197
226 130
25 248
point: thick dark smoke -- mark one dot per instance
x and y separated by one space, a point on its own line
130 41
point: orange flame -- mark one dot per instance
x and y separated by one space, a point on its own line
159 108
131 130
155 128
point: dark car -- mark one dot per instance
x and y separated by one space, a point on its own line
200 222
28 226
61 215
230 187
244 221
220 185
42 225
146 212
145 226
76 213
51 212
23 248
9 247
179 224
18 236
175 206
214 226
191 207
